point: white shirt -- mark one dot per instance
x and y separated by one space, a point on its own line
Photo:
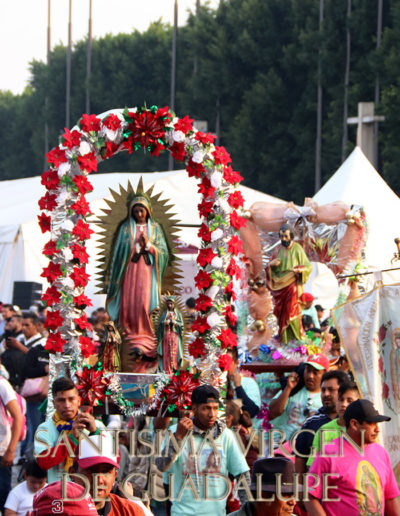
20 499
7 394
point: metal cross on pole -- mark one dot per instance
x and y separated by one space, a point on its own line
365 121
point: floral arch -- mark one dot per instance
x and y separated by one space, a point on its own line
64 215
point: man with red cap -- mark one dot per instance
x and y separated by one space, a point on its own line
310 309
73 501
291 407
100 469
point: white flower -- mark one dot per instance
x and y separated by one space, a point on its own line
214 319
216 179
67 282
212 291
217 262
63 169
216 234
178 136
198 156
68 225
84 148
68 256
63 196
110 134
224 206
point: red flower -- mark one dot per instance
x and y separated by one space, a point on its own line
111 148
90 123
71 139
231 176
80 277
56 156
382 332
233 269
91 386
178 151
236 221
88 162
224 362
194 169
385 391
203 280
205 187
205 256
54 343
184 124
227 338
221 157
204 137
82 322
229 291
51 296
196 348
163 113
79 252
82 301
205 208
48 202
235 245
146 128
112 122
52 272
236 199
203 302
179 391
53 320
204 233
82 230
200 324
83 184
230 317
380 364
87 346
44 222
50 179
50 248
81 206
157 147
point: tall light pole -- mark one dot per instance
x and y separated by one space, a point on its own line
173 72
377 85
319 106
89 59
346 82
46 100
68 71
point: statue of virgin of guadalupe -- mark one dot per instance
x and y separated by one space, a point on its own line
139 259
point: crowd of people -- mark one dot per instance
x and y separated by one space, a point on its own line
320 456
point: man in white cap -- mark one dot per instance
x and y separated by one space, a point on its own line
98 462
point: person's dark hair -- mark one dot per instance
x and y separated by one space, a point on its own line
287 227
191 302
348 386
32 469
62 384
340 376
32 316
233 409
7 305
234 353
307 321
245 419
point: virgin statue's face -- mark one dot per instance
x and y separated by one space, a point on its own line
139 213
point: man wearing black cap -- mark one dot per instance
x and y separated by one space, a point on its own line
200 474
360 480
273 488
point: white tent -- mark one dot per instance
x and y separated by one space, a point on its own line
357 182
21 240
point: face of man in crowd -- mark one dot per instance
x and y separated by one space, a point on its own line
29 328
14 324
277 507
344 401
329 394
205 414
6 312
67 403
371 433
312 378
106 475
285 237
34 484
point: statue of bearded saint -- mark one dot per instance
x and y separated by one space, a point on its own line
287 272
139 259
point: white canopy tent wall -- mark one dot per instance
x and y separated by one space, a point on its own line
21 241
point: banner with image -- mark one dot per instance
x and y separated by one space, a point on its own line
369 329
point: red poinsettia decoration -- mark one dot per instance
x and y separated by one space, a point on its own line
197 348
53 320
236 199
236 221
204 138
79 253
184 124
82 323
82 301
205 188
51 296
83 184
52 272
44 222
50 179
200 324
54 343
233 269
203 280
88 162
82 230
112 122
80 276
87 346
235 245
205 208
204 233
205 256
81 206
50 248
71 138
230 316
178 392
90 123
56 156
48 202
227 338
194 169
178 151
203 302
224 362
147 129
221 156
91 386
231 176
